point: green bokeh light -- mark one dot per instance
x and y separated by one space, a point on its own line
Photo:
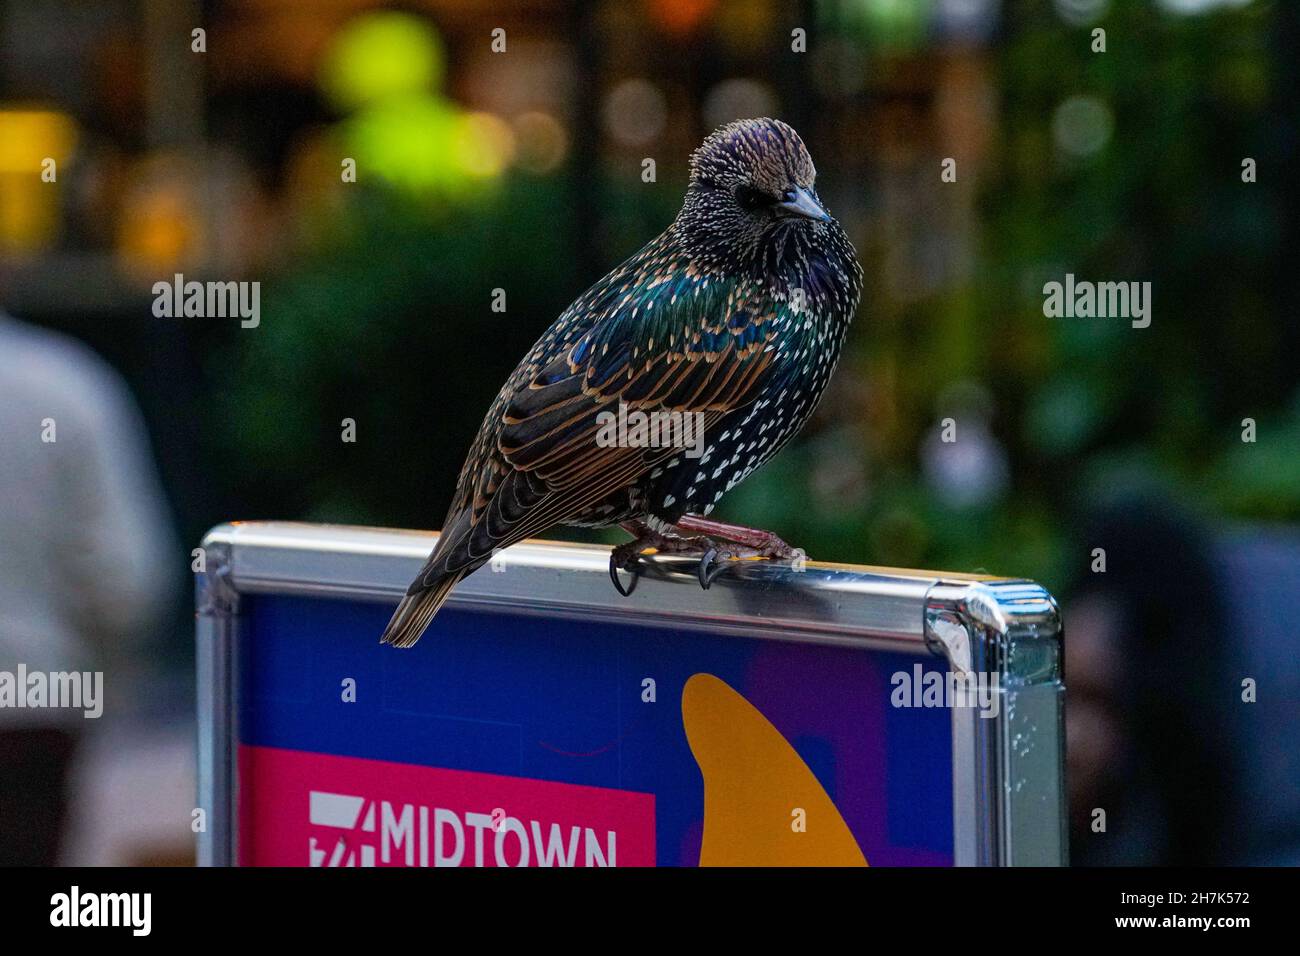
380 55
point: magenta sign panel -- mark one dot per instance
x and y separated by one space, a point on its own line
311 809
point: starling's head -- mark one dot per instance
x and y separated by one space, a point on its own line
752 184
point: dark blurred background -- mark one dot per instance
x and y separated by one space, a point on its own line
522 171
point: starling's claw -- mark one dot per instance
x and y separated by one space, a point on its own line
615 567
703 570
711 565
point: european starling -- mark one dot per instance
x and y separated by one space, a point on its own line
731 320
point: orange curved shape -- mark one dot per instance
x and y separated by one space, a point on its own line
762 805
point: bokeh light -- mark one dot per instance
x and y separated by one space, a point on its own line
381 55
542 142
738 99
635 112
1079 13
1082 126
28 205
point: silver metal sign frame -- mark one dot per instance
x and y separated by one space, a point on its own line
1008 787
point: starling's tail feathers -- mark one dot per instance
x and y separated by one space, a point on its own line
448 562
417 609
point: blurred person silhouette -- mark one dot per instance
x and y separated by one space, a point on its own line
86 546
1148 727
1261 563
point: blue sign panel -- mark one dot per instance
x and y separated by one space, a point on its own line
672 746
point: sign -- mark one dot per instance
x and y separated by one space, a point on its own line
780 718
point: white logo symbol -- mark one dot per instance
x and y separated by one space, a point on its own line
343 812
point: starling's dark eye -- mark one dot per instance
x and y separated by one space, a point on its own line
751 199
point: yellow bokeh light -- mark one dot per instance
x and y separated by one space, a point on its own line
29 137
35 146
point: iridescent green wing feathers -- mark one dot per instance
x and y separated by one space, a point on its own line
674 345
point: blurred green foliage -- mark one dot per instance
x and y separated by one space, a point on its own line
385 318
1090 410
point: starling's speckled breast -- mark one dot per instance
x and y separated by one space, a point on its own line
805 344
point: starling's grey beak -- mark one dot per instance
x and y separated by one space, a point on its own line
800 202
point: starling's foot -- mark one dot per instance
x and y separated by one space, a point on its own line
627 557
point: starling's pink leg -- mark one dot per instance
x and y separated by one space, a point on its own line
749 542
765 543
